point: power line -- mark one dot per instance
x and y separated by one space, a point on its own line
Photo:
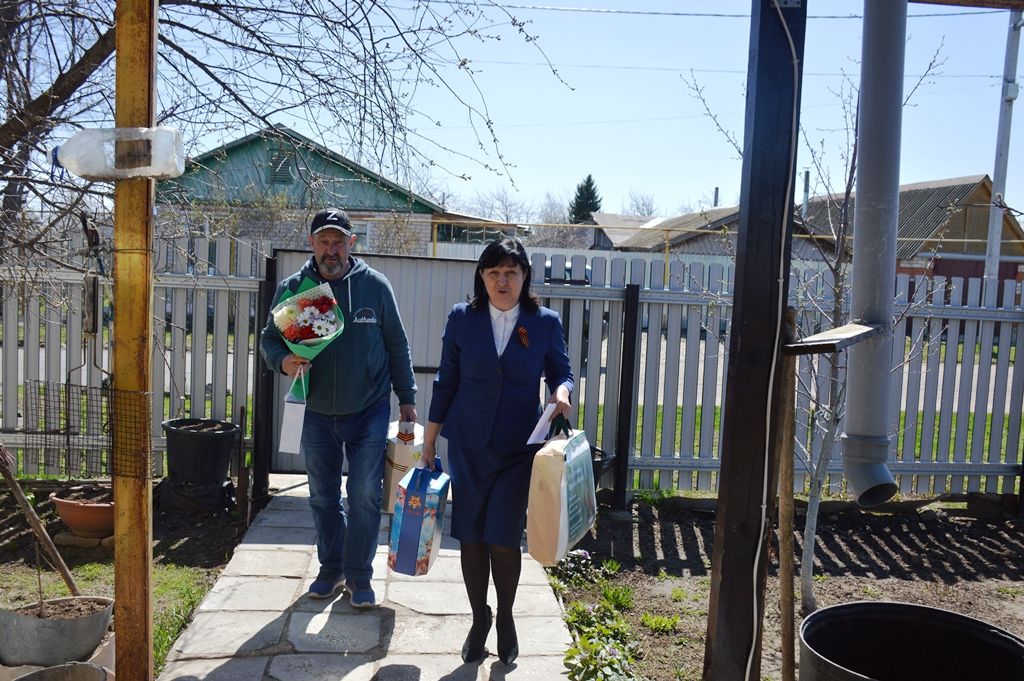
714 15
725 71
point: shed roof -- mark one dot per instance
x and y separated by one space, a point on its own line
681 228
620 228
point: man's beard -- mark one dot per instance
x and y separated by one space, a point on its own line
331 268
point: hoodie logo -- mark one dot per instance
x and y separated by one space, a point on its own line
364 315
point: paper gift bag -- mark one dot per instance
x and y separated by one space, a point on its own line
292 418
562 503
405 444
419 519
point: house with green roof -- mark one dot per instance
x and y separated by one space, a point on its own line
268 185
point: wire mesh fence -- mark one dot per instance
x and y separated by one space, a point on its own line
82 432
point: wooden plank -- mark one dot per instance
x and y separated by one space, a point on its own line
966 382
944 445
198 344
725 327
179 325
1016 408
912 403
1001 389
590 392
930 404
694 317
575 329
222 266
670 399
982 390
713 350
242 365
898 366
651 370
616 311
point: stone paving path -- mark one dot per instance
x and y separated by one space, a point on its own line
257 624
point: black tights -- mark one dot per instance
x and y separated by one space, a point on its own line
503 564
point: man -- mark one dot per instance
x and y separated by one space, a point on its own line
348 405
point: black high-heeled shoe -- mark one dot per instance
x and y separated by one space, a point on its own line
473 649
508 642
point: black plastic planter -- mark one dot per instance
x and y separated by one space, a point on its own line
199 450
890 641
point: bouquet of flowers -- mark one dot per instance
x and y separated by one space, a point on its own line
309 320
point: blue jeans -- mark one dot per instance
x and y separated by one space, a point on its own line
345 543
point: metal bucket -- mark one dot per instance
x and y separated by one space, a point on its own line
890 641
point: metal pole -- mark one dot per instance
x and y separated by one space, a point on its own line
866 440
135 105
625 429
995 212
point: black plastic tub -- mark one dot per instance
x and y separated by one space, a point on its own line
199 450
899 641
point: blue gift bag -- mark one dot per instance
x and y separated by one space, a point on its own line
419 518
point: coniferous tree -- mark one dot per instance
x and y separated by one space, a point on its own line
586 202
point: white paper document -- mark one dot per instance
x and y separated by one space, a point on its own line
540 431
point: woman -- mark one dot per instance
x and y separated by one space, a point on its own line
486 402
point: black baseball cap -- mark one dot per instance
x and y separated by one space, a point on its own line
331 218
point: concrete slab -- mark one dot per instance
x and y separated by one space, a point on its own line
428 668
252 593
295 503
340 599
436 634
322 668
279 539
230 669
225 634
258 563
284 518
525 668
335 631
446 568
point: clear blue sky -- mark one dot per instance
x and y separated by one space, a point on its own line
630 120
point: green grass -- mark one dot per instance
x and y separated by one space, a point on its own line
177 592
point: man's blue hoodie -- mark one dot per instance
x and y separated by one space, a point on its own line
367 359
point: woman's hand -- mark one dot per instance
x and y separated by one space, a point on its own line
428 454
561 401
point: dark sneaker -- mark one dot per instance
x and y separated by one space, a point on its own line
362 593
325 586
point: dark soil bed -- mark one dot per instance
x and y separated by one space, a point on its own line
928 557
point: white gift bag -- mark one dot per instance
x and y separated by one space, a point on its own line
405 445
292 418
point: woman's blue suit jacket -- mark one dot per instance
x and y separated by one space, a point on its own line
488 401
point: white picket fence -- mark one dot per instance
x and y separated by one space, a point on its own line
940 390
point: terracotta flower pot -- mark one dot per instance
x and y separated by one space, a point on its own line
85 518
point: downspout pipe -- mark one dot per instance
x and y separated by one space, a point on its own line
867 437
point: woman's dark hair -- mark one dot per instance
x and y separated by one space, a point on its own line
503 251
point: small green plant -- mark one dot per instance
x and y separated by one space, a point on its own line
576 568
557 585
610 566
619 597
660 624
679 594
654 497
1011 591
819 579
663 574
592 659
871 592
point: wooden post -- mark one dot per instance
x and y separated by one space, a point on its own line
135 103
733 647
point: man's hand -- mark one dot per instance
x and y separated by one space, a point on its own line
292 363
407 412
